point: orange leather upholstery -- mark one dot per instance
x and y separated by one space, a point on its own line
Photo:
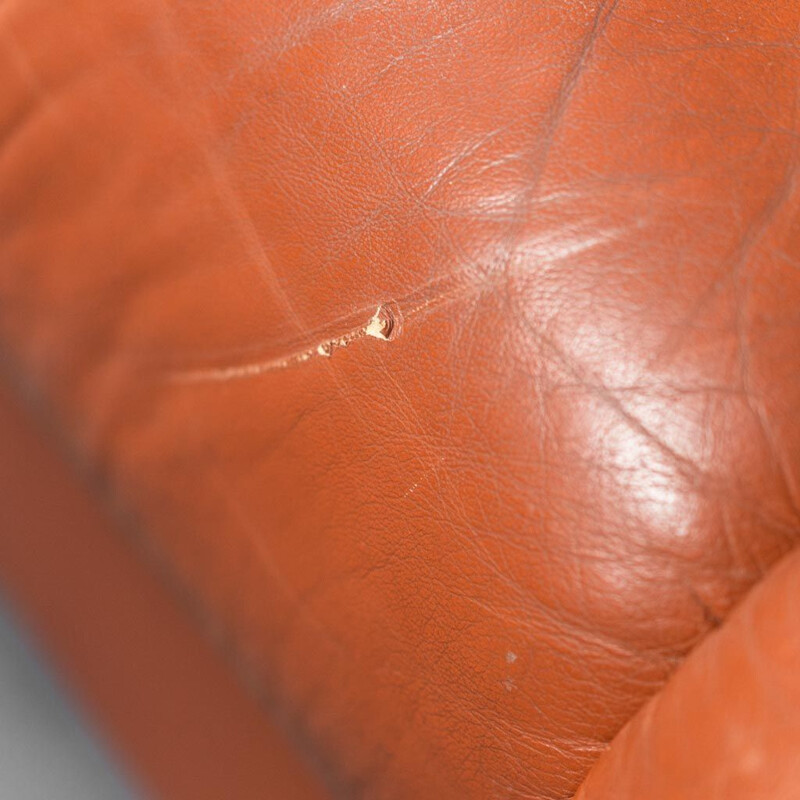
162 694
445 354
726 728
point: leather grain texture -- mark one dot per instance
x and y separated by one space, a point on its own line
726 726
447 353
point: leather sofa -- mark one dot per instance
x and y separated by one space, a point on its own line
401 398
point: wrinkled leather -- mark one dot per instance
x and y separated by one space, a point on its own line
460 559
726 727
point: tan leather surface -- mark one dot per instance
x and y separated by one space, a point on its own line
726 726
460 559
124 643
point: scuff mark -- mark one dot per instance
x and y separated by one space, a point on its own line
384 324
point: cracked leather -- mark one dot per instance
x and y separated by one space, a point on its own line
456 561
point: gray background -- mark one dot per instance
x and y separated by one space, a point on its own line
47 750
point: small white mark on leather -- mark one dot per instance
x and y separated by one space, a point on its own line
384 324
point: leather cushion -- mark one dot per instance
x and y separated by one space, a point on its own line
462 556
